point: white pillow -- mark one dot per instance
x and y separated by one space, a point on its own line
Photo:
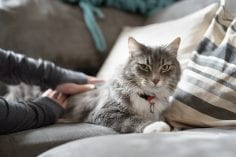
190 28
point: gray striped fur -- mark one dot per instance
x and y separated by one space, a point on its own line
117 104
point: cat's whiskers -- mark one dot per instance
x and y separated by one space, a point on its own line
130 88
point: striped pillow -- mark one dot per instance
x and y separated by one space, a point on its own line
206 93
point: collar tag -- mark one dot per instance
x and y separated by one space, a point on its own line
152 107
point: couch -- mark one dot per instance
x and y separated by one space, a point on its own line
91 140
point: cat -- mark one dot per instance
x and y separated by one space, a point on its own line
136 98
22 92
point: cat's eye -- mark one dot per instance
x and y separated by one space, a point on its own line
144 67
165 68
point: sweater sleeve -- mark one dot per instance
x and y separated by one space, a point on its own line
20 116
16 68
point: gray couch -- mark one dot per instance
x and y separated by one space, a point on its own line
33 142
89 140
192 143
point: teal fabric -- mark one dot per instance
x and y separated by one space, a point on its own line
90 21
91 10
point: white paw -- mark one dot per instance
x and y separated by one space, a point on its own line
156 127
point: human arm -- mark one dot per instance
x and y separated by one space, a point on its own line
18 116
43 111
16 68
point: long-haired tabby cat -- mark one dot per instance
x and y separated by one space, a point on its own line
135 99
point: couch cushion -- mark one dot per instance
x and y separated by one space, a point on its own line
193 143
56 31
33 142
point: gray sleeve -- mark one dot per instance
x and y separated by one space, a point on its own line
20 116
16 68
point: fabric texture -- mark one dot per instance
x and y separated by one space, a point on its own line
192 143
206 93
178 10
190 28
91 10
33 142
54 31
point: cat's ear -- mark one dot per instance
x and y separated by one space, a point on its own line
134 47
173 46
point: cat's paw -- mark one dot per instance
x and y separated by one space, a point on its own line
156 127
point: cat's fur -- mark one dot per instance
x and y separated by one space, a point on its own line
22 92
119 104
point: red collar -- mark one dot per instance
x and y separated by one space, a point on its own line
147 97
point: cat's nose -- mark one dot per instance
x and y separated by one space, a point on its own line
155 81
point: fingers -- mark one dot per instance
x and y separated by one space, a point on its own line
47 92
72 88
84 88
62 91
94 80
56 96
59 96
61 99
65 104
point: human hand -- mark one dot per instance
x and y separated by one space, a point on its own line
73 88
94 80
56 96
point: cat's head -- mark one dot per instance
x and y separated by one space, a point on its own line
153 71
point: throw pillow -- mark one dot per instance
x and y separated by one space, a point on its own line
206 93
